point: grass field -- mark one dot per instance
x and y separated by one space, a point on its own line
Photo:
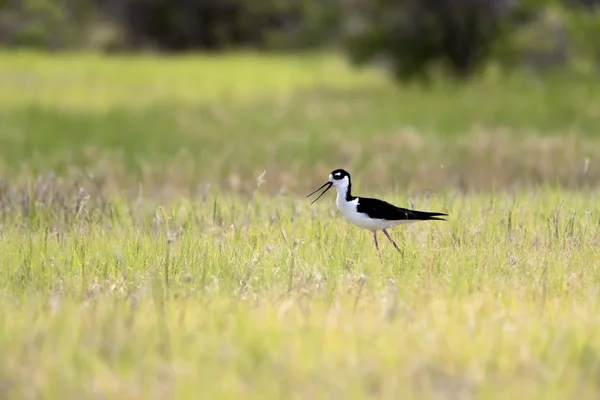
143 254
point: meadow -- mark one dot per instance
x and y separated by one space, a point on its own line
155 241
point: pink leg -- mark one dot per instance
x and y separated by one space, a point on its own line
376 244
392 240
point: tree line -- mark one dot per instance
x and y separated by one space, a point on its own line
414 37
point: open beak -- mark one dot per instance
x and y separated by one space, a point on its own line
328 187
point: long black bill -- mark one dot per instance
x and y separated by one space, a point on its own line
328 187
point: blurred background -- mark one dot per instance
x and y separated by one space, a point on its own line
409 35
424 94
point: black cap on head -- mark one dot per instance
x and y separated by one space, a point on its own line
339 174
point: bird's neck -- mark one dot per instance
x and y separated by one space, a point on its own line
344 193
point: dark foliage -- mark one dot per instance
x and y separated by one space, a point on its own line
415 37
416 34
176 25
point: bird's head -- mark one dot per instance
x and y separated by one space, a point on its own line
339 178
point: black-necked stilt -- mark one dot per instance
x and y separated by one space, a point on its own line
371 214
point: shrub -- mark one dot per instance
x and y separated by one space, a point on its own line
416 36
179 25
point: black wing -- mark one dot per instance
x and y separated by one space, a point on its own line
380 209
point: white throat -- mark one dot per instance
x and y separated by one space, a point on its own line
342 191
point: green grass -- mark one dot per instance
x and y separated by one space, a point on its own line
218 119
275 298
143 256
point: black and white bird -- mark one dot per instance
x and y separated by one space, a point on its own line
368 213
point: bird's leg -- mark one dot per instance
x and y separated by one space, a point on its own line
392 240
376 244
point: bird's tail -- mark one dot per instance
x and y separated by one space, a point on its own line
429 216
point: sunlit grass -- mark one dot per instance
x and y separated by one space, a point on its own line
226 119
88 82
138 258
298 89
276 298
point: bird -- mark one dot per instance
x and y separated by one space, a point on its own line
369 213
